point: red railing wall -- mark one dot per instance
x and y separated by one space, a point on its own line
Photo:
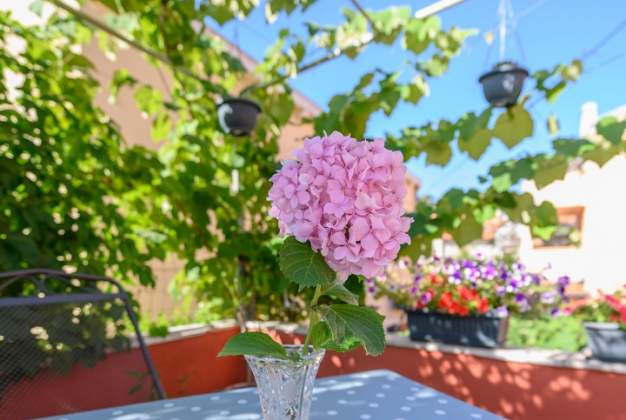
514 390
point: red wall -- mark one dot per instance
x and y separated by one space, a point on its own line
512 390
190 366
186 366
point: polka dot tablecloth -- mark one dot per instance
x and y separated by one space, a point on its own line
375 395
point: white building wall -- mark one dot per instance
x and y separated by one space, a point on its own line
600 259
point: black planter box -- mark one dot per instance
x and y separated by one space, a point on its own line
474 331
606 341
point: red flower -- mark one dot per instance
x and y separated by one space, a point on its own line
467 294
435 278
483 306
445 301
461 309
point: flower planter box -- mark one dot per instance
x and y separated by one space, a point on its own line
474 331
606 341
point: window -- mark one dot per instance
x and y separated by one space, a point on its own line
569 230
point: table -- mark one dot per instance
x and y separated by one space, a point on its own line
374 395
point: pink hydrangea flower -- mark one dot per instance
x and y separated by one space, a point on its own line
345 197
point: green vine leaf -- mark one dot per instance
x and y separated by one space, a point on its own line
253 344
362 323
467 231
513 126
611 129
476 145
303 266
552 124
550 171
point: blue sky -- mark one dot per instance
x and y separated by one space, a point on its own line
550 31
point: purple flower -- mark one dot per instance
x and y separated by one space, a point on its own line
513 285
548 298
417 279
501 312
490 271
468 265
414 290
562 283
371 289
425 298
520 297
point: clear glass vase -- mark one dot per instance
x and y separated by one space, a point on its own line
285 386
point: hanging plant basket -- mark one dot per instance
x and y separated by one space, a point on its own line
503 85
237 116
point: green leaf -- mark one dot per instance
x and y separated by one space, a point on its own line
554 92
474 134
502 182
320 335
572 71
552 124
436 66
419 246
25 246
477 144
438 153
544 220
121 78
468 231
420 33
414 91
611 129
253 344
601 155
339 291
362 323
161 127
303 266
549 171
513 125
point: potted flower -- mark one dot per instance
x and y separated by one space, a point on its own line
237 116
606 326
467 301
503 84
339 204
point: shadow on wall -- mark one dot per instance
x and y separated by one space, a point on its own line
512 390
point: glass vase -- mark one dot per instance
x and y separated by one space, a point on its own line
285 386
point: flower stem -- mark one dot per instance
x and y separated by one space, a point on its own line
313 318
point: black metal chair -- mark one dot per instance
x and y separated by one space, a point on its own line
69 342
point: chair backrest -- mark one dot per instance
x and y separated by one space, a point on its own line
69 342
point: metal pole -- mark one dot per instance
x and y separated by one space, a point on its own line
436 7
502 13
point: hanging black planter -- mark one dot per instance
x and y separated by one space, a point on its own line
503 84
238 116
